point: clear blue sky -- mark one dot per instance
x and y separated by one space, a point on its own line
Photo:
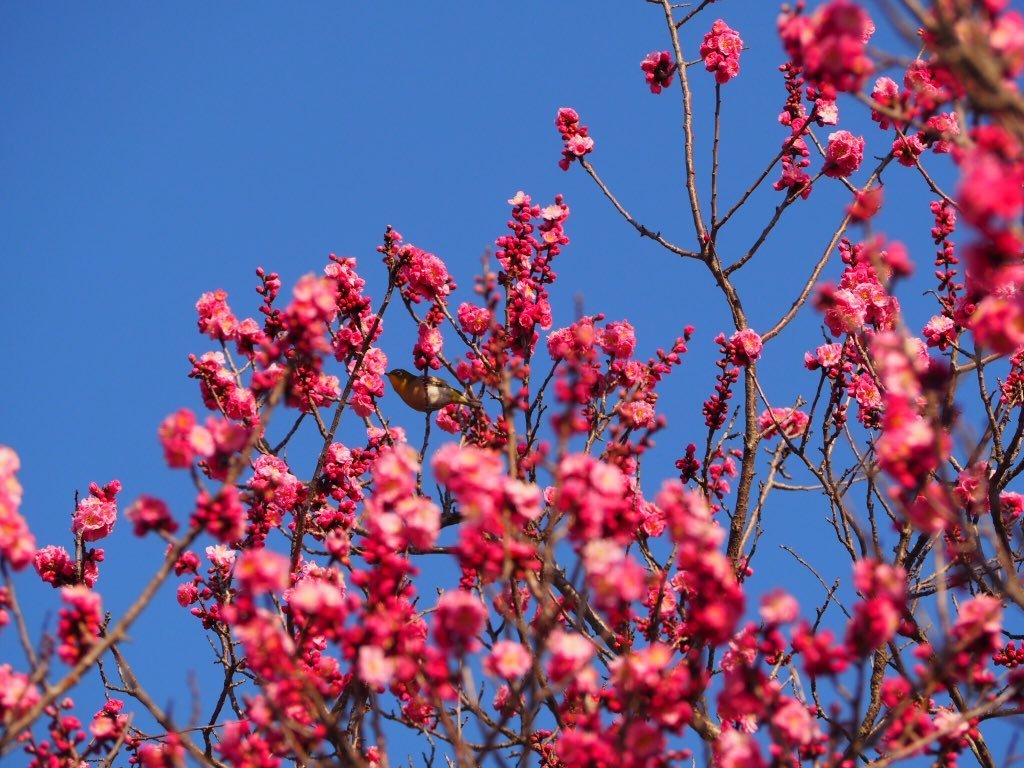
154 152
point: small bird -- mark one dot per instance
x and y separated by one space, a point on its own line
427 393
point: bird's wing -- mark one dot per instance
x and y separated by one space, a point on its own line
433 381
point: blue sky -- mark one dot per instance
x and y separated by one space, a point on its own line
154 152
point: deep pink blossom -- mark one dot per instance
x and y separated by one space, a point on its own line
617 339
369 384
1007 40
575 138
221 515
745 347
826 111
428 346
423 275
658 69
866 203
148 513
79 624
721 52
109 724
940 332
792 422
877 617
215 317
830 45
474 320
183 439
395 514
96 514
272 483
907 149
886 94
458 621
58 569
614 579
909 448
941 132
827 356
991 176
843 155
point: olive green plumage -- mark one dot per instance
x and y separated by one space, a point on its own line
427 393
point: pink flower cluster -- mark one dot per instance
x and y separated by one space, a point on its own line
598 498
975 637
992 171
717 406
18 693
495 509
830 45
860 298
614 579
907 149
877 617
526 260
184 441
313 308
96 513
109 724
474 320
261 571
574 137
220 388
395 515
927 88
356 318
617 340
658 69
148 514
458 621
721 52
57 568
910 446
790 421
940 331
795 154
422 275
429 343
221 515
843 155
369 381
714 597
508 660
274 492
217 321
744 347
16 542
79 624
830 358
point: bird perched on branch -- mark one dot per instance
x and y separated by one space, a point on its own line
427 393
